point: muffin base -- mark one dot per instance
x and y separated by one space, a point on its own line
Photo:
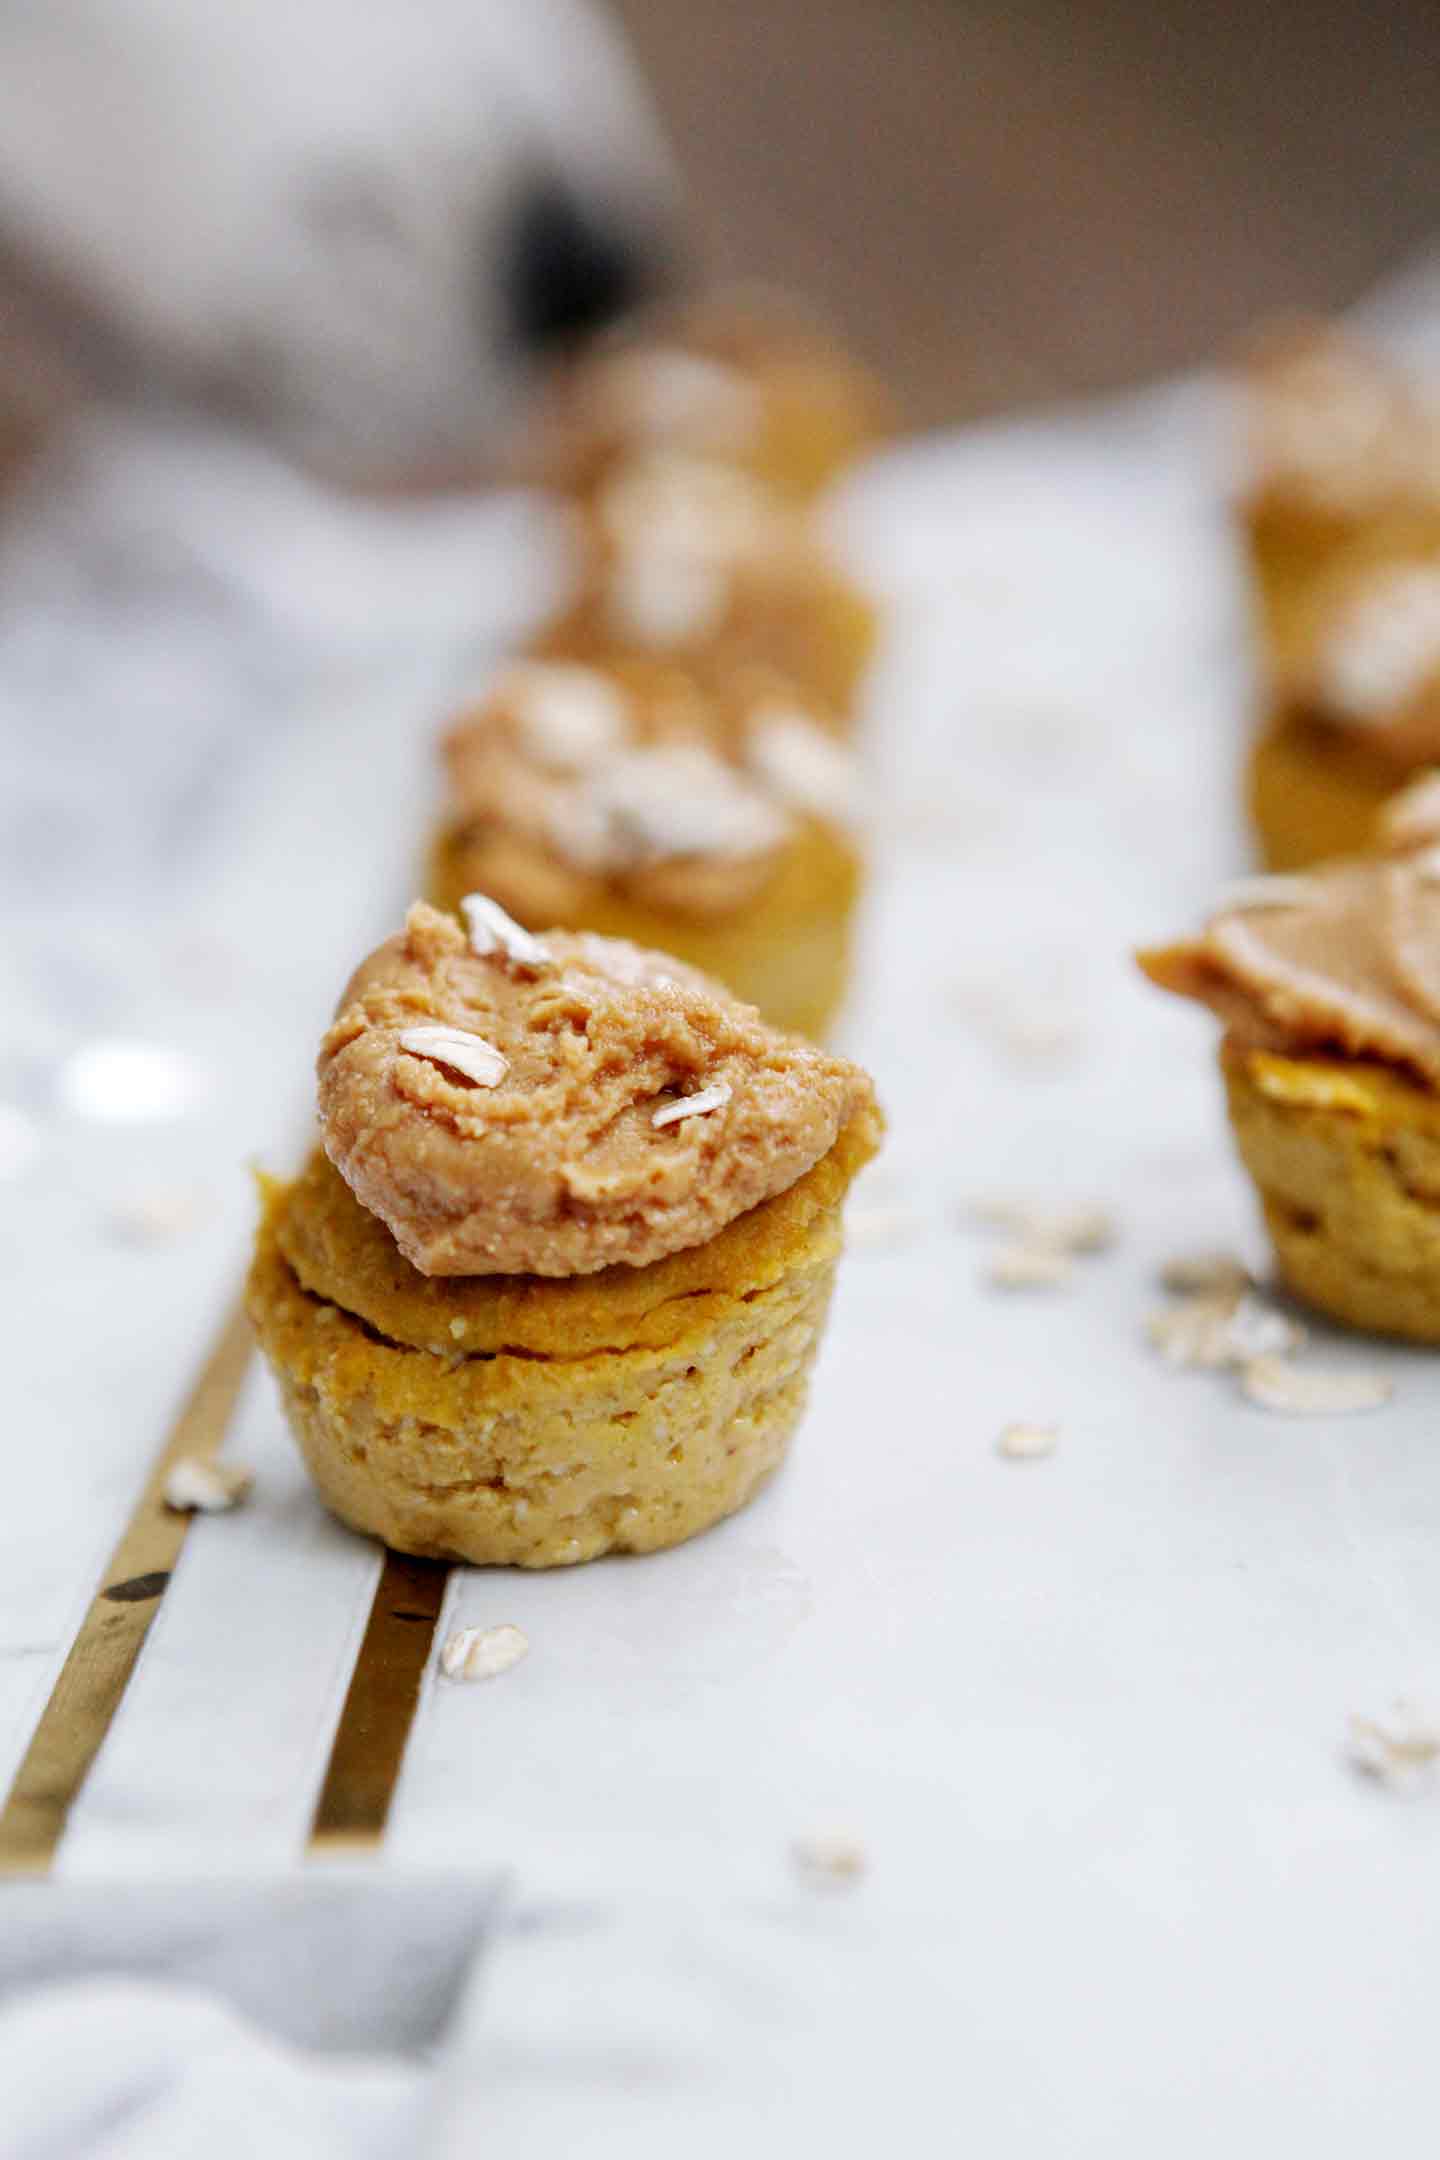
1346 1159
534 1457
1315 794
787 950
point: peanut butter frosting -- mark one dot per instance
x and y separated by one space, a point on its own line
1342 961
504 1111
635 776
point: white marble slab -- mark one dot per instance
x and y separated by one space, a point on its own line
1084 1714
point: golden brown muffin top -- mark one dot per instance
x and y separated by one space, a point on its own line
1343 960
633 774
1337 430
509 1105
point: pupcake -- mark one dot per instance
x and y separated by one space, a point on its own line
750 381
554 1282
1329 987
690 560
627 799
1342 526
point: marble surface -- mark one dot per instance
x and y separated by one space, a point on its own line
1085 1715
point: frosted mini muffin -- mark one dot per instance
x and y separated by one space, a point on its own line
1342 526
1329 987
693 561
627 799
555 1283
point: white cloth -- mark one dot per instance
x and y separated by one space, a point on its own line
378 2017
136 2070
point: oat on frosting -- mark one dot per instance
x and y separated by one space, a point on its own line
562 1168
567 715
677 531
1350 965
669 397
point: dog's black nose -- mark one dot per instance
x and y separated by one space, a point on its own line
568 274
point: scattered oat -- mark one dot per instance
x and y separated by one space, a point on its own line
1206 1274
829 1859
1027 1443
196 1487
159 1214
1030 1025
1259 1330
1399 1752
1044 1241
475 1653
688 1106
458 1328
1039 1039
1081 1229
1248 895
491 931
1275 1384
1029 1267
469 1054
1222 1328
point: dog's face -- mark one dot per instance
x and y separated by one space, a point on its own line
362 221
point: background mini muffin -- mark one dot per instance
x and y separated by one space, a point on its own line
555 1285
1329 986
1342 527
632 800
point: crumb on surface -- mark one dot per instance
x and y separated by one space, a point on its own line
1029 1267
1274 1383
1198 1273
476 1653
1027 1443
1398 1751
829 1859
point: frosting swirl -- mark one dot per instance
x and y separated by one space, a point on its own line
582 1151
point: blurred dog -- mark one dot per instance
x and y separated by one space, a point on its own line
360 224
